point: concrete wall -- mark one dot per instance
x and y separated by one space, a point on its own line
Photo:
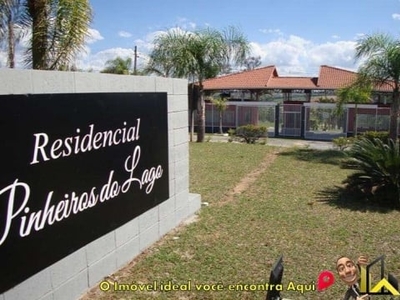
70 277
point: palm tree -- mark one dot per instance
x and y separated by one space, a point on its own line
220 104
13 22
197 56
59 28
160 66
118 66
376 166
382 67
356 93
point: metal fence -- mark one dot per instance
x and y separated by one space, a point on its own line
322 122
241 113
315 121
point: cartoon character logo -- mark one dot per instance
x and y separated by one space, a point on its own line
358 278
349 273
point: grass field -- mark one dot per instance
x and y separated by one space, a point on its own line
263 202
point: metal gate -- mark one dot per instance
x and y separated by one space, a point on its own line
290 120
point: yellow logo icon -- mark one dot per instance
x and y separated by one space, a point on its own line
384 286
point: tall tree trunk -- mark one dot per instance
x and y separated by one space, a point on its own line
192 101
37 10
201 115
220 122
355 125
11 43
394 112
192 124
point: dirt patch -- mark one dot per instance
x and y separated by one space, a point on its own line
249 179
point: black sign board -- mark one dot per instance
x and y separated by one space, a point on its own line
73 168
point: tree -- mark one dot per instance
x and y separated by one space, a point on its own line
59 28
382 67
159 65
197 56
357 93
118 66
13 24
220 104
252 62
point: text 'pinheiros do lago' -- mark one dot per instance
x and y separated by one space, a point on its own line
17 194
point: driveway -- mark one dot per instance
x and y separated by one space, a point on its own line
279 142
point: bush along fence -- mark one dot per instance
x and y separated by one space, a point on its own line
343 143
250 133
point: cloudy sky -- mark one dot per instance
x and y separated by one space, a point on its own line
297 36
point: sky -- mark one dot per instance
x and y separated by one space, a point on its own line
297 36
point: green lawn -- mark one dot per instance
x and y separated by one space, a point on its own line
284 211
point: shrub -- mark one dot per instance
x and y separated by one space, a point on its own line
377 166
231 132
251 133
326 100
343 142
371 135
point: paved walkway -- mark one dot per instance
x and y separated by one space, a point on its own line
280 142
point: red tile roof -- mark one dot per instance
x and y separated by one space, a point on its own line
335 78
330 78
254 79
292 83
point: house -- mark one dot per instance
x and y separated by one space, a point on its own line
294 106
